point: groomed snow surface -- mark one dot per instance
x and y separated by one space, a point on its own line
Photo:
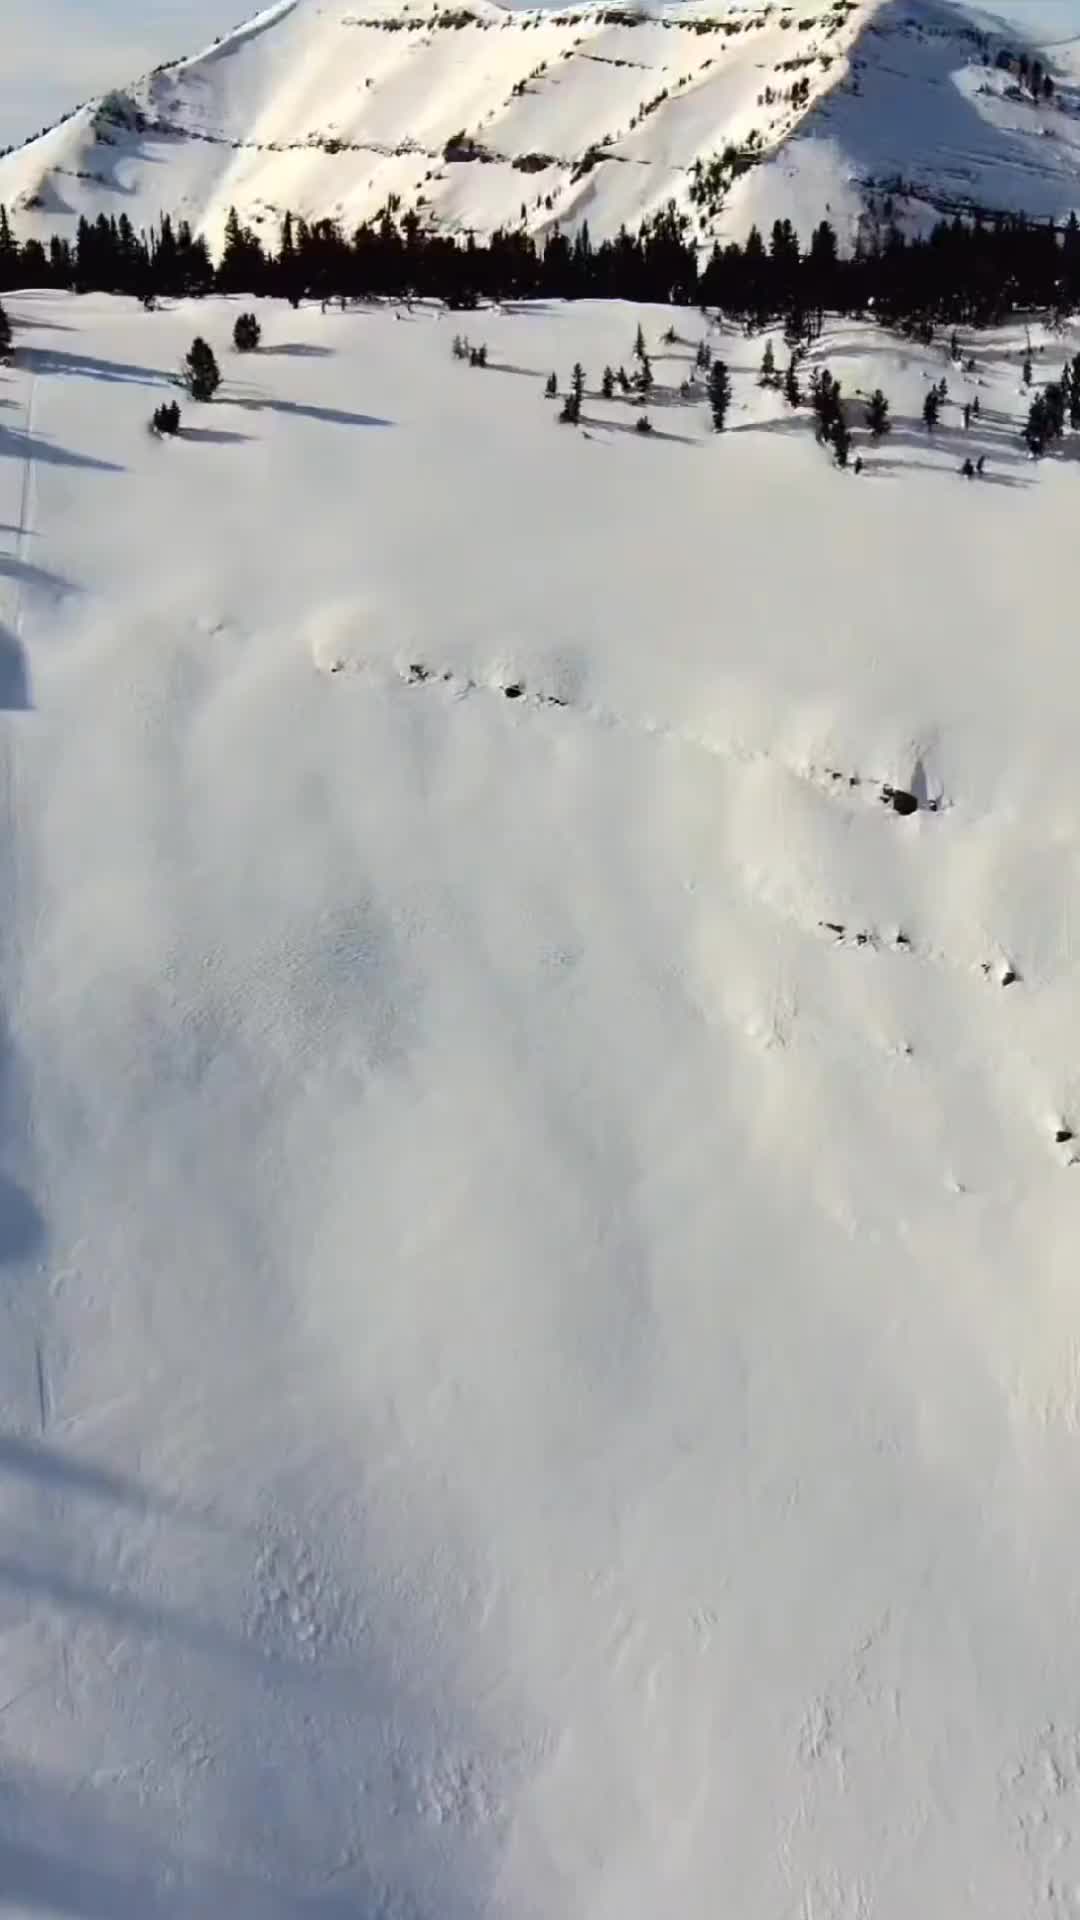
540 1348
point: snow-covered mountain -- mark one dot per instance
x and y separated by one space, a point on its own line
482 116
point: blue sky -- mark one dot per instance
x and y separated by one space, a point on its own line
58 52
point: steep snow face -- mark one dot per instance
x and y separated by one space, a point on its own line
539 1335
598 113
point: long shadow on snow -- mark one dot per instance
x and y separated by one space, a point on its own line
334 416
26 574
46 360
16 444
14 679
21 1226
54 1471
297 350
67 1851
215 436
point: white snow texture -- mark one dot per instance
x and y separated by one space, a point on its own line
539 1335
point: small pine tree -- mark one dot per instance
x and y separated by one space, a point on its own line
767 376
719 394
792 394
478 356
1026 373
669 336
247 334
877 415
5 336
459 347
551 386
577 383
639 344
643 378
943 389
200 372
931 409
1074 395
703 357
570 413
624 380
840 440
607 384
643 424
166 418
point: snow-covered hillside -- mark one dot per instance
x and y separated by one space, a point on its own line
539 1340
484 117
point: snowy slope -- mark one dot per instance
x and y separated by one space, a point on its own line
597 112
539 1340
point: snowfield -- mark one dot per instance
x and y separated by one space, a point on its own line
540 1345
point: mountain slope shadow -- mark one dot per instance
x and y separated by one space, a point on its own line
911 126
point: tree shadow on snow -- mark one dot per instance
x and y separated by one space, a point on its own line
26 574
297 350
215 436
21 1225
629 426
14 684
56 360
334 416
16 444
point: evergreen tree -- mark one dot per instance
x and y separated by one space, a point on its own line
719 394
1054 402
767 376
570 413
9 253
792 394
624 380
643 424
247 333
825 395
166 418
5 336
643 378
551 386
478 356
840 440
639 345
1037 430
703 356
877 415
577 383
607 384
1026 372
1074 395
931 409
200 373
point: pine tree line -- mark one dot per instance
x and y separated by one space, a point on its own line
974 272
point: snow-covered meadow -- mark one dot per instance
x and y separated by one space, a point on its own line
539 1326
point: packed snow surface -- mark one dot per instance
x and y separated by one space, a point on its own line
540 1344
480 116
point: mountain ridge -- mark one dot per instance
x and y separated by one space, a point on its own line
480 116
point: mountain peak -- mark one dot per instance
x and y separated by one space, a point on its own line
479 115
